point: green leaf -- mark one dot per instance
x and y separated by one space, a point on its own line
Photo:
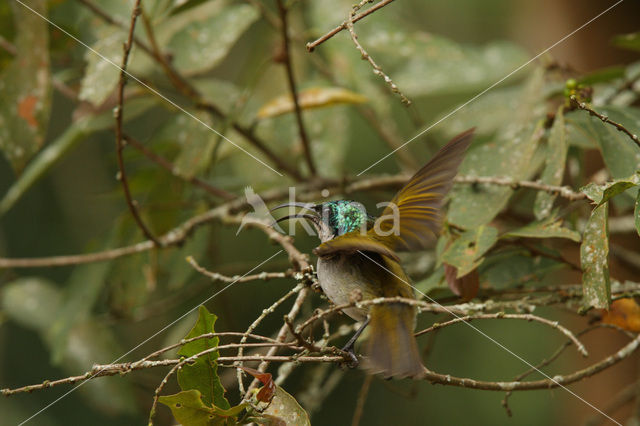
205 42
628 41
554 167
90 342
34 303
424 64
500 101
100 76
26 87
594 251
195 141
508 154
76 132
620 153
549 228
189 410
31 301
602 75
283 410
433 281
80 294
600 194
513 268
465 252
202 375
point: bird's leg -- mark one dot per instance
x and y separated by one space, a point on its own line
349 346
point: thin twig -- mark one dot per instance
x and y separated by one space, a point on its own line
288 63
549 360
255 324
362 398
583 106
377 70
282 335
299 338
501 315
119 110
311 46
562 191
165 164
424 306
264 276
187 89
556 381
619 400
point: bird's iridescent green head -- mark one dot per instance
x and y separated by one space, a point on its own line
344 216
333 218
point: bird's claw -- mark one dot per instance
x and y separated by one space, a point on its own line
353 361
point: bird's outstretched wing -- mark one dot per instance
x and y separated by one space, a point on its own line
417 208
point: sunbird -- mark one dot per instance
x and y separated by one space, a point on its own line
357 258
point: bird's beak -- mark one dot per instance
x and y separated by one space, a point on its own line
310 217
307 206
309 213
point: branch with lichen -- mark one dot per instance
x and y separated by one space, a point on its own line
377 70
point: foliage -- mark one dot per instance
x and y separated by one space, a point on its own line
553 175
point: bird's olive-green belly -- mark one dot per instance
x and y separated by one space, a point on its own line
342 281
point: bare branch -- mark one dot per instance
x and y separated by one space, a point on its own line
311 46
502 315
583 106
165 164
309 191
215 276
377 70
122 174
562 191
284 28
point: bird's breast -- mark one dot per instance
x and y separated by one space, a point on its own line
343 281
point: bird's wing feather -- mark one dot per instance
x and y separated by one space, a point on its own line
352 242
418 206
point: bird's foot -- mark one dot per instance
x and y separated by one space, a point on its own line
349 353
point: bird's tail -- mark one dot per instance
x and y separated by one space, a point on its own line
391 349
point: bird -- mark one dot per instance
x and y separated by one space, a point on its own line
357 258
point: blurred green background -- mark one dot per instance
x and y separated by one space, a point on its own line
102 310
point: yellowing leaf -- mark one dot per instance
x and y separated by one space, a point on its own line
311 98
624 313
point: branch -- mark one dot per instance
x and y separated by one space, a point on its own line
188 90
165 164
558 380
284 27
282 334
309 191
424 306
311 46
527 317
146 362
122 175
583 106
215 276
362 398
377 70
562 191
257 322
553 357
